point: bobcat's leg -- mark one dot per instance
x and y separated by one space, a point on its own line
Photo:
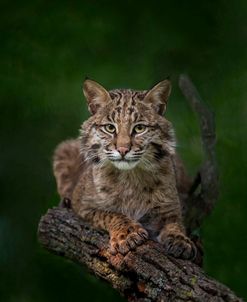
66 166
174 239
125 234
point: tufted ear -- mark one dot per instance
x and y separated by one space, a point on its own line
97 96
158 96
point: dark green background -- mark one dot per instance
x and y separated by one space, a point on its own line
47 48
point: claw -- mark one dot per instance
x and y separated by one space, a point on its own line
131 243
113 249
143 234
123 248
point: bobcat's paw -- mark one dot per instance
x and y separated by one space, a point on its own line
179 246
127 238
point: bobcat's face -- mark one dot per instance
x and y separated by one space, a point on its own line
127 131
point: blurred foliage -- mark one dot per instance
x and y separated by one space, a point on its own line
47 48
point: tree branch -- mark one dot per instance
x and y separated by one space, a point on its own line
199 205
142 275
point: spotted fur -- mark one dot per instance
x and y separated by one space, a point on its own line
123 180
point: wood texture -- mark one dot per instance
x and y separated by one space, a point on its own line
146 274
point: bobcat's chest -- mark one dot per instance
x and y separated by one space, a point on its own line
132 193
135 203
132 198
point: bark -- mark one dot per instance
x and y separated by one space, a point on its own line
201 202
147 274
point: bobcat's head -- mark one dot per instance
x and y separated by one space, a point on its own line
127 128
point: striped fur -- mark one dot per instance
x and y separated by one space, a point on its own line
122 174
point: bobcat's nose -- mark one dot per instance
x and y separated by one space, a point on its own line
123 150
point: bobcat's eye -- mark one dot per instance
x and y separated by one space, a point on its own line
139 128
110 128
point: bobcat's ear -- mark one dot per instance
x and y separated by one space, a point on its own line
158 96
96 95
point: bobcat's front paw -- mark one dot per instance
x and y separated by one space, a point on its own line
179 246
127 238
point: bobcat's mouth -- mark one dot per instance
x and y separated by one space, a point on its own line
124 160
124 164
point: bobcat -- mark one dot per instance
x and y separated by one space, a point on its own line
122 174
